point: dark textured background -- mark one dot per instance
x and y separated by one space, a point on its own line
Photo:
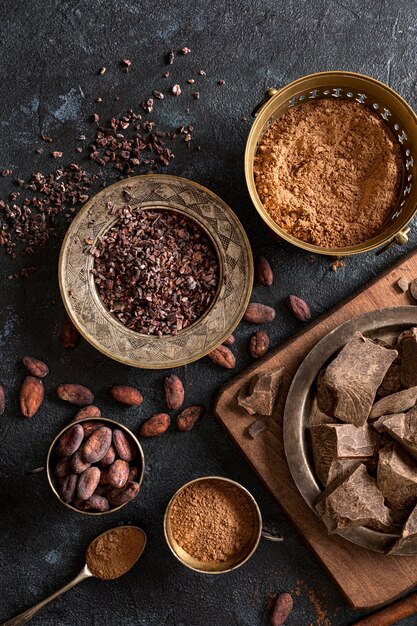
50 53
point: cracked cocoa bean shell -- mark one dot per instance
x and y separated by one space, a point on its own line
188 418
257 313
97 444
75 394
299 308
31 396
70 440
258 344
174 392
129 396
264 272
155 425
223 356
36 368
87 483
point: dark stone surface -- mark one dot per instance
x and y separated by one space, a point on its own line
50 53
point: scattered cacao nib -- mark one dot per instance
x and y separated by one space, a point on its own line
201 73
158 94
101 71
46 138
169 57
98 100
126 65
402 284
6 172
147 105
256 428
185 51
221 82
191 81
299 308
336 264
95 118
176 90
196 95
56 154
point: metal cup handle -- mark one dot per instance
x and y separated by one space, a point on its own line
268 94
271 535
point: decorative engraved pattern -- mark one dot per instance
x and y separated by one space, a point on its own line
105 332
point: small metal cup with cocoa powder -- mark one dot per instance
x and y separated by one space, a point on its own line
213 525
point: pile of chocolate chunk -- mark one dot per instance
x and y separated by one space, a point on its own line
364 438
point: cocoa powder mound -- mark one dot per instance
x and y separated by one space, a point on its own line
328 172
212 521
113 554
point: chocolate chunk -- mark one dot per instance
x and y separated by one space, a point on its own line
318 417
379 423
413 288
403 428
341 468
391 382
355 501
341 441
262 392
256 428
347 387
408 345
397 477
395 403
408 536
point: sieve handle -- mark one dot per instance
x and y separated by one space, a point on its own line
400 239
268 94
271 535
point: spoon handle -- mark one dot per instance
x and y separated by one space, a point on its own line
27 615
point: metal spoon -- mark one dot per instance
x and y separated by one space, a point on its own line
85 573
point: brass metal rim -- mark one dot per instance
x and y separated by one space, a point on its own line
257 535
51 450
106 333
347 80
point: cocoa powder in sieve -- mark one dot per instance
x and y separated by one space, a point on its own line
329 172
211 520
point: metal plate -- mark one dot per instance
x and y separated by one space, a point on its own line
102 329
384 324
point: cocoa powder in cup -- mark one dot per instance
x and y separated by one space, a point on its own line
113 554
212 521
328 172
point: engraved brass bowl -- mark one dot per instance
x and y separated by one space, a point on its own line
139 462
384 324
379 98
102 329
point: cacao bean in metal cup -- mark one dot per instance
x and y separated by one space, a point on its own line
139 462
390 107
237 561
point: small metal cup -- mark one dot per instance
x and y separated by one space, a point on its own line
139 462
226 566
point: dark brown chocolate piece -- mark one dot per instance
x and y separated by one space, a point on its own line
408 344
341 468
391 382
408 535
262 392
318 417
355 501
348 386
397 477
379 423
395 403
341 441
403 428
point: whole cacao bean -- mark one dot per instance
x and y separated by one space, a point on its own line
87 483
2 400
87 411
103 478
35 367
118 474
264 272
229 341
90 427
129 396
70 440
68 488
124 445
101 490
258 344
299 308
78 465
155 425
31 396
259 313
75 394
188 418
97 444
174 392
69 334
281 608
109 457
116 497
94 503
223 356
133 474
63 467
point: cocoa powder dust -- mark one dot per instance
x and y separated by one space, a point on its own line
113 554
328 172
212 521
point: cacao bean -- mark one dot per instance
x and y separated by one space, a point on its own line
117 497
31 396
412 287
90 427
63 467
94 503
259 313
299 308
258 344
78 465
264 272
87 411
118 474
188 418
129 396
101 490
69 334
35 367
70 440
125 447
174 392
229 341
97 444
223 356
2 400
155 425
281 609
133 474
75 394
103 478
68 488
109 457
87 483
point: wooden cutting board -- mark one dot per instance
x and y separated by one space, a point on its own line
367 579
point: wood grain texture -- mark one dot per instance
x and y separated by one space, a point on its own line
367 579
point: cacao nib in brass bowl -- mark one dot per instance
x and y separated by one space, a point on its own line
156 192
52 458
